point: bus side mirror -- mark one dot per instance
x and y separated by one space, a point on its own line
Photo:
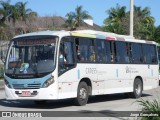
2 57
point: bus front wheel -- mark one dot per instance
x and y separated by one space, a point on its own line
82 94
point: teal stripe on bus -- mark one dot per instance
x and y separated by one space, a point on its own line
152 72
78 73
117 73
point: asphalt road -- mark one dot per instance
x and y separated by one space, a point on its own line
103 103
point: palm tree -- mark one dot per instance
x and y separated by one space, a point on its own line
141 12
114 21
143 23
70 23
25 16
23 11
74 19
14 12
5 11
80 15
118 22
15 16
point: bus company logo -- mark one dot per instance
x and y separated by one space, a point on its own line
127 69
6 114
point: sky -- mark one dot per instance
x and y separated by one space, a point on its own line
96 8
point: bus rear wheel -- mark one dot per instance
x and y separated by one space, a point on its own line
137 89
82 94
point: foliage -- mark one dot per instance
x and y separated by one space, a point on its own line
114 21
70 20
14 19
118 22
150 107
143 23
74 19
5 11
1 71
157 34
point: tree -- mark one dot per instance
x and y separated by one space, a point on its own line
5 11
74 19
143 23
114 22
80 15
118 22
157 34
22 10
70 23
15 19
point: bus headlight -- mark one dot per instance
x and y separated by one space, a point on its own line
48 82
7 83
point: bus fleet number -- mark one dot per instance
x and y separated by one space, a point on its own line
91 70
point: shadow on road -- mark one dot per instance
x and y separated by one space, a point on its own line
111 97
53 104
30 104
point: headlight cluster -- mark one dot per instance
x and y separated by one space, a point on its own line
48 82
7 83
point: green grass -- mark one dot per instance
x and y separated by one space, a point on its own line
150 107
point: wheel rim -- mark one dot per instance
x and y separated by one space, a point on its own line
138 89
83 93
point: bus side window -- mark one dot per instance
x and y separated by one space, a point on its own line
121 52
149 52
100 49
153 54
66 55
137 55
85 49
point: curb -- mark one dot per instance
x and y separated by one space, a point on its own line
2 84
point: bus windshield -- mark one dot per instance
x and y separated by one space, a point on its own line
31 57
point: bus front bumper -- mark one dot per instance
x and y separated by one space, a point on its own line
31 94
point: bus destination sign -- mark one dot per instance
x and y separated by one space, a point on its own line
35 42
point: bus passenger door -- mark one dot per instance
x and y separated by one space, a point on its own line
100 67
66 68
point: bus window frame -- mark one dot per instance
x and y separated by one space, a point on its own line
74 55
112 42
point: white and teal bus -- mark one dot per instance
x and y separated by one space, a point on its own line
52 65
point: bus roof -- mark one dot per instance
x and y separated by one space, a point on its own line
90 34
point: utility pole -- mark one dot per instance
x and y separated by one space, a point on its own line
131 16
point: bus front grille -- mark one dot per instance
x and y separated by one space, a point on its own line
26 86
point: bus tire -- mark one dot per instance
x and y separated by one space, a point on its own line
82 94
39 102
137 89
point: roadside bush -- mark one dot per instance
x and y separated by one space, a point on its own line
150 107
1 71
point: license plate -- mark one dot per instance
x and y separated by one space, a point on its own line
26 93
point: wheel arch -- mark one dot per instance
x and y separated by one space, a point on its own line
89 84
